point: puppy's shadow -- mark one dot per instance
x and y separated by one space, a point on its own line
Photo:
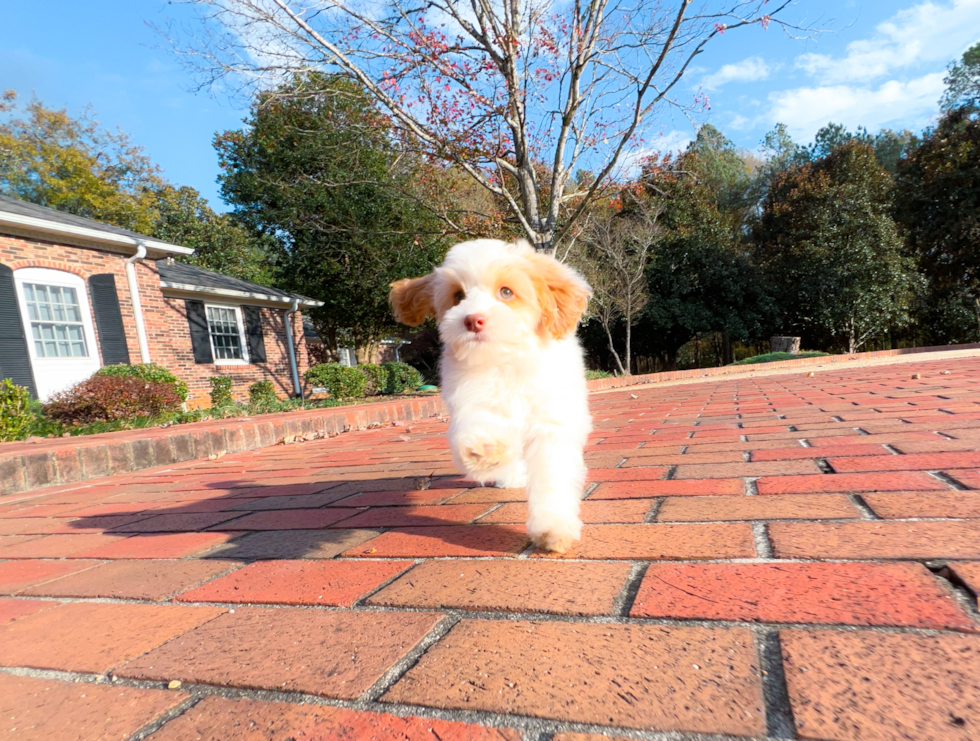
238 500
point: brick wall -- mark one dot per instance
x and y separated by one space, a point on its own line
168 335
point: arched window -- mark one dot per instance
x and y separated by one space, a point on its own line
57 320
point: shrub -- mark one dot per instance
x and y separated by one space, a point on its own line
594 375
402 376
104 398
376 376
148 372
221 391
262 392
16 415
341 381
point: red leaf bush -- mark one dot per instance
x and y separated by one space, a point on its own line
108 398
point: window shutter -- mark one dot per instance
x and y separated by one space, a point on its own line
253 328
197 318
15 361
108 318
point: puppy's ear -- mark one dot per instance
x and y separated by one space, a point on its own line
563 295
411 299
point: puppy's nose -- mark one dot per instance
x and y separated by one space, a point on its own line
475 322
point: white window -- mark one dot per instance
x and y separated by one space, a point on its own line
58 323
227 332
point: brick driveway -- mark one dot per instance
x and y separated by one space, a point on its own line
791 556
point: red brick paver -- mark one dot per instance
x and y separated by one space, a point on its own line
883 686
334 654
299 582
94 637
633 676
46 710
850 593
827 523
251 720
515 586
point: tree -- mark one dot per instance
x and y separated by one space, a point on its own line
722 169
348 209
519 95
700 278
963 81
889 146
76 165
938 202
615 252
218 241
832 252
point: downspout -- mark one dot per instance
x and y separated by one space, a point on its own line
297 389
134 295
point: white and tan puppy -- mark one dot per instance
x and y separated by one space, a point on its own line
512 373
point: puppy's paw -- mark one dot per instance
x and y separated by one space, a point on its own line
554 534
483 454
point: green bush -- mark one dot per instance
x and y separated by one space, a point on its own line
401 376
109 398
376 377
341 381
16 416
221 391
262 392
147 372
594 375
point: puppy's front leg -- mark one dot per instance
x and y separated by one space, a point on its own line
555 480
484 445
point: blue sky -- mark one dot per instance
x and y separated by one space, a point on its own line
881 64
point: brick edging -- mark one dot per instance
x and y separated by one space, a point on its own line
23 466
604 384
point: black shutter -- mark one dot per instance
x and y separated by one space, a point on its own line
108 318
253 329
197 318
15 361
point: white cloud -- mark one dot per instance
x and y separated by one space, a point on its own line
805 110
752 69
671 142
928 32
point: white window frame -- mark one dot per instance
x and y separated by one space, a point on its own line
61 279
53 374
242 337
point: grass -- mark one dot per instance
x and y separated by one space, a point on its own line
771 357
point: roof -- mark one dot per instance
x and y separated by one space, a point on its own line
179 276
25 215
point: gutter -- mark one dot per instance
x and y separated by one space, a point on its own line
134 295
96 235
230 293
288 317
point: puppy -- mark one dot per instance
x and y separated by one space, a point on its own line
512 372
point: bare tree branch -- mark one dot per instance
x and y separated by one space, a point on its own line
515 93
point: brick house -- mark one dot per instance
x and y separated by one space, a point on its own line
76 294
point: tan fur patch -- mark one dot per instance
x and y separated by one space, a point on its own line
411 299
563 295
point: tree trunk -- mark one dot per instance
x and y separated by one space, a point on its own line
612 348
976 309
852 347
629 367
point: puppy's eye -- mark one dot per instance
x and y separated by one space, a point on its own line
459 296
506 294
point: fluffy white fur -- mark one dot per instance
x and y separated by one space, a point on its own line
516 389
